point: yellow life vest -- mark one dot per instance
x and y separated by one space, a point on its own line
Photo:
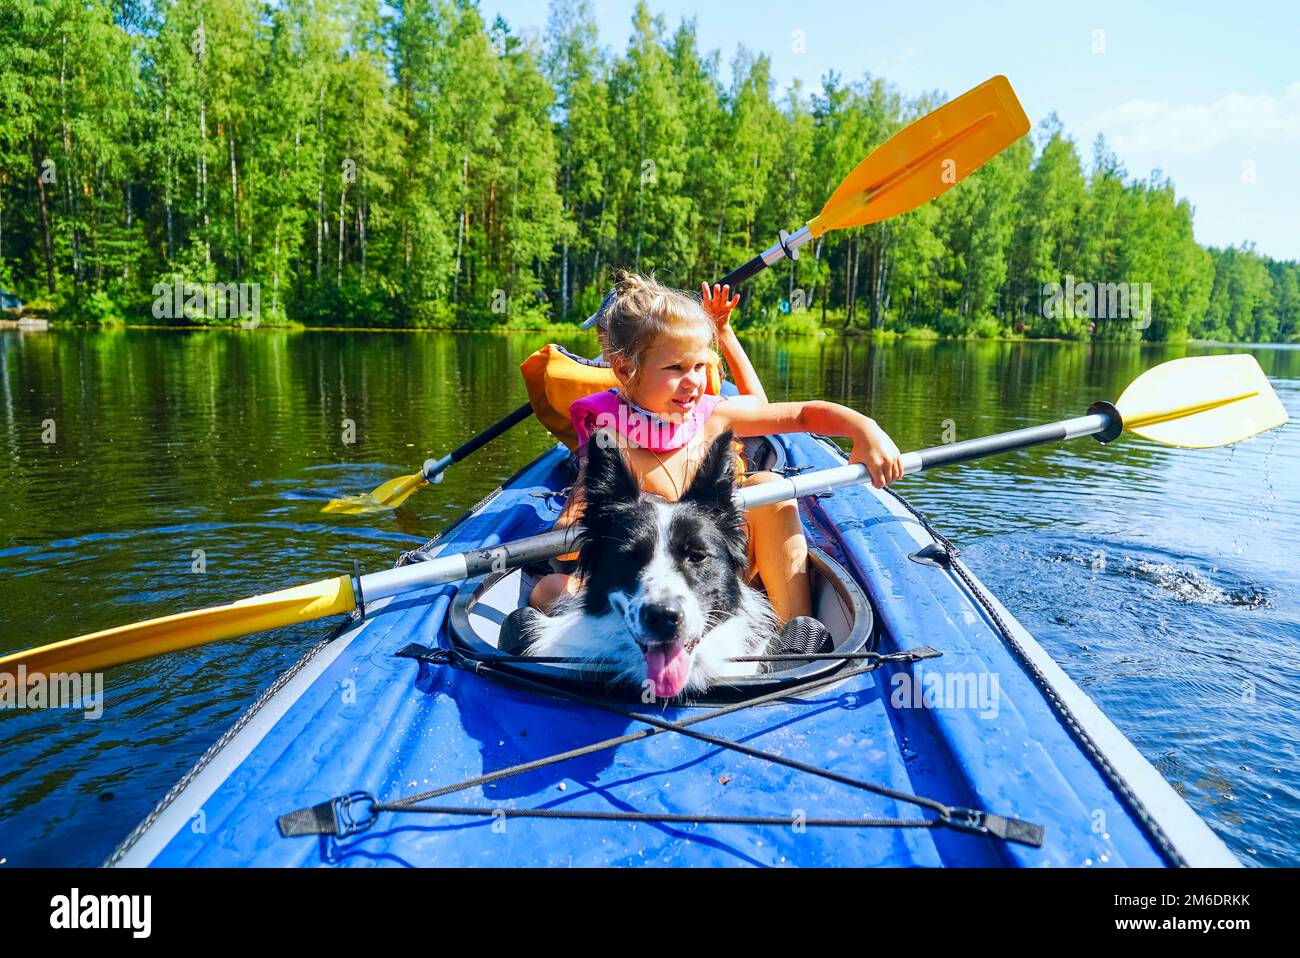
555 378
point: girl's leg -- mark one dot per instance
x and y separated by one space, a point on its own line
781 552
550 588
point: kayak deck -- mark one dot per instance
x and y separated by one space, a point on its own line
352 716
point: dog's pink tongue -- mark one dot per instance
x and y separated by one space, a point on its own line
667 668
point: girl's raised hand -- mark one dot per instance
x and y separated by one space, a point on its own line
717 305
875 450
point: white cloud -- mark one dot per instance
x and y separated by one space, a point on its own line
1144 126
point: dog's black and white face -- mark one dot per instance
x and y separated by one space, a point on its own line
663 595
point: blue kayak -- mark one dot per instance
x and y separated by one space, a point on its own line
938 733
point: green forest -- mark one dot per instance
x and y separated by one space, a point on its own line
407 164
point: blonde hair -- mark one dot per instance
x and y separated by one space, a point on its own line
642 312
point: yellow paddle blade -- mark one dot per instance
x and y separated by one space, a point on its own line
388 496
927 158
142 640
1201 402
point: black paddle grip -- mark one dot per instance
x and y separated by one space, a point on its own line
742 273
491 432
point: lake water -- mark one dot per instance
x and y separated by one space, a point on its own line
189 468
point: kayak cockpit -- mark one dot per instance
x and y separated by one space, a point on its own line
482 604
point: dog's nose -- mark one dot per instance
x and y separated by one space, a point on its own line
661 621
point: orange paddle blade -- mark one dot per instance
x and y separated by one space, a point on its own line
927 158
388 496
185 630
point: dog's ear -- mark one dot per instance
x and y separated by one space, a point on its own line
608 481
714 483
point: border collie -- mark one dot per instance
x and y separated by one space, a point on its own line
663 602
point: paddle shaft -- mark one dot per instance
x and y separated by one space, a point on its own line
434 467
824 480
1102 421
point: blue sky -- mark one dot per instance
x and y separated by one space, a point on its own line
1208 92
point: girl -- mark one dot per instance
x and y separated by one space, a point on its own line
659 343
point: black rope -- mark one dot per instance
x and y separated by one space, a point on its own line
1080 735
664 818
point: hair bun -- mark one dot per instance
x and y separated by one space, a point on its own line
627 282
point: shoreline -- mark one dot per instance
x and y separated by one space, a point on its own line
574 330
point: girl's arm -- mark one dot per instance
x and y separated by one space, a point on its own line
718 307
747 381
871 445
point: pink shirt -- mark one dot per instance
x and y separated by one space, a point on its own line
610 409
